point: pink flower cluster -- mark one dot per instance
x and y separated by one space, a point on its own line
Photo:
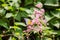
36 25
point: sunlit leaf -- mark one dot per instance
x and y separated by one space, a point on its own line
46 38
8 15
12 38
51 3
20 23
48 16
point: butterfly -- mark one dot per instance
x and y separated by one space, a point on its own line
28 21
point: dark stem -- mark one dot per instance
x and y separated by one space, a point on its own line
41 37
22 3
11 21
53 37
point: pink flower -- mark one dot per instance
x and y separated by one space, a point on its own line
45 21
42 10
36 20
36 11
29 27
37 15
39 5
33 21
28 30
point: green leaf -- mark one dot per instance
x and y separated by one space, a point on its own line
38 38
24 14
28 11
20 23
22 9
12 38
46 38
0 38
27 2
48 16
56 13
17 5
2 12
2 0
8 15
55 22
45 28
3 23
58 32
17 16
57 25
51 3
17 32
58 9
47 32
5 6
25 10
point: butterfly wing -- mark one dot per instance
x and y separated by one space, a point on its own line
28 21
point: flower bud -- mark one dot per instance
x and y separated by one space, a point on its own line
42 10
39 5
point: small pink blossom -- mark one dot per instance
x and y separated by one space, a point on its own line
37 15
33 21
42 10
28 30
45 21
39 12
36 20
29 27
39 5
36 11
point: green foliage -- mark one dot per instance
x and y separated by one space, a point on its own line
3 23
12 15
52 3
